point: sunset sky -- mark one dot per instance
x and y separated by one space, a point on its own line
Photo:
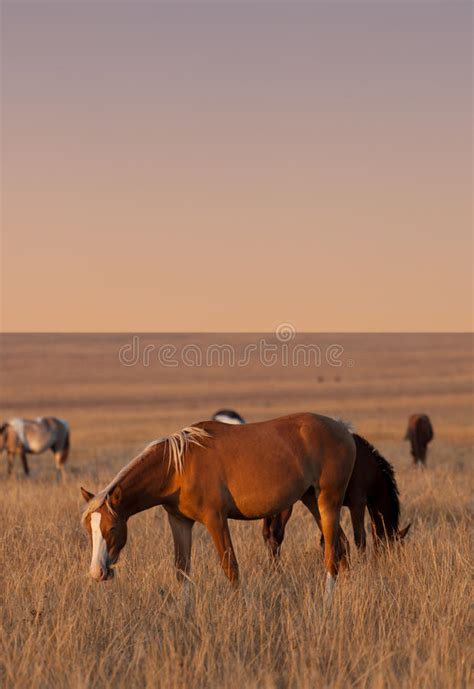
211 166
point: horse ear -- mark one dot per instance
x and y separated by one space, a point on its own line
115 496
403 532
86 495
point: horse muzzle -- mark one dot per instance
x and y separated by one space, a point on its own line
102 573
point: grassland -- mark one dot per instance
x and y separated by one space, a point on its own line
401 620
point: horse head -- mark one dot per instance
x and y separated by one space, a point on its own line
107 530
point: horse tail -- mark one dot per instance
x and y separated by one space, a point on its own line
62 444
383 500
67 441
61 447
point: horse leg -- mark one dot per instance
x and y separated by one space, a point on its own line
375 536
181 528
414 450
218 527
357 518
309 500
24 461
335 542
10 461
266 532
60 457
274 532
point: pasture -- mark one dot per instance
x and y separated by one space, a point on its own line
401 620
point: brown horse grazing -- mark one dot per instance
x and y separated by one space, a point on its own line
371 485
419 433
22 436
213 472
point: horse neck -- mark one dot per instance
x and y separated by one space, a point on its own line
145 483
383 504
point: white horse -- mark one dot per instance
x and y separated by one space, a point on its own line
228 416
22 436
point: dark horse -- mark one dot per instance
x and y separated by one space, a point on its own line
371 485
419 433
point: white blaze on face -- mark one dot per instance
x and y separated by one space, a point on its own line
99 548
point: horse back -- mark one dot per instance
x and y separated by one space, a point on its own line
38 435
262 468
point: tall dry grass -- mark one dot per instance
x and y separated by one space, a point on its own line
397 621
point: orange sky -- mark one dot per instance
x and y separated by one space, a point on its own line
195 166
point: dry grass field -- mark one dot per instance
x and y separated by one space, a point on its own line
401 620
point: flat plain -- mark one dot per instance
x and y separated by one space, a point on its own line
399 620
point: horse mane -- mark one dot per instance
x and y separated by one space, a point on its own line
177 445
387 474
